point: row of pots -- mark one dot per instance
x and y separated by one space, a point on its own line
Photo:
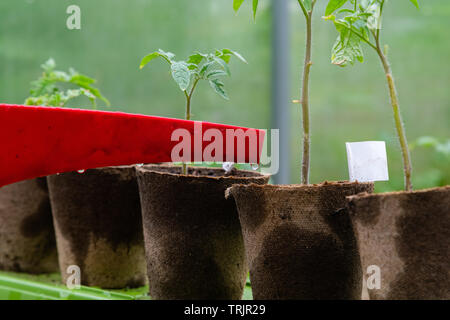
195 235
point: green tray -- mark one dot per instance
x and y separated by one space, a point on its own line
22 286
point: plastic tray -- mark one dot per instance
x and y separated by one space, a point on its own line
22 286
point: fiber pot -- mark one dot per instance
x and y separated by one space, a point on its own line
299 240
98 226
406 235
27 237
192 234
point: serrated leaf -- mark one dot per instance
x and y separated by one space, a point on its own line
166 54
181 74
205 67
223 64
347 49
215 73
334 5
218 87
237 4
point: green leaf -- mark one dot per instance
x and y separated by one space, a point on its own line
237 4
307 4
234 53
205 67
45 90
181 74
347 48
255 8
223 63
416 3
148 58
218 87
216 73
195 58
168 56
333 5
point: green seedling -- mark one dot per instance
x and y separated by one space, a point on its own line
187 74
359 22
307 8
53 87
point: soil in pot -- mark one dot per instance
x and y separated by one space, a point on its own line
299 240
98 226
406 235
27 237
192 234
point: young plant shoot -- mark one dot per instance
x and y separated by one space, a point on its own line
199 66
307 8
52 88
357 22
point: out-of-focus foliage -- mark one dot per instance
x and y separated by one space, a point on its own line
49 89
438 171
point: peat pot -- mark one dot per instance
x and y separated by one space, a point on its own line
98 226
193 238
405 237
299 241
27 237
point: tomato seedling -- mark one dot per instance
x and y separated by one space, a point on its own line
358 22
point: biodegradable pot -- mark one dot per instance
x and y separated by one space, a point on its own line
299 240
98 226
193 238
27 237
407 235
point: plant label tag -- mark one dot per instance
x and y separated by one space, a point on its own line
367 161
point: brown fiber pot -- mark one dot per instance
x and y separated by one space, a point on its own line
407 235
299 240
98 226
27 237
192 234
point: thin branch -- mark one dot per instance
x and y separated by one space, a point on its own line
362 38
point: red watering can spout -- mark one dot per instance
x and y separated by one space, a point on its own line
40 141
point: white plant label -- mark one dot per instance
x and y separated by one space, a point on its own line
367 161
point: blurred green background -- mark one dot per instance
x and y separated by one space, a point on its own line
348 104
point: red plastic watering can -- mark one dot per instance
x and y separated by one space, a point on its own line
40 141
